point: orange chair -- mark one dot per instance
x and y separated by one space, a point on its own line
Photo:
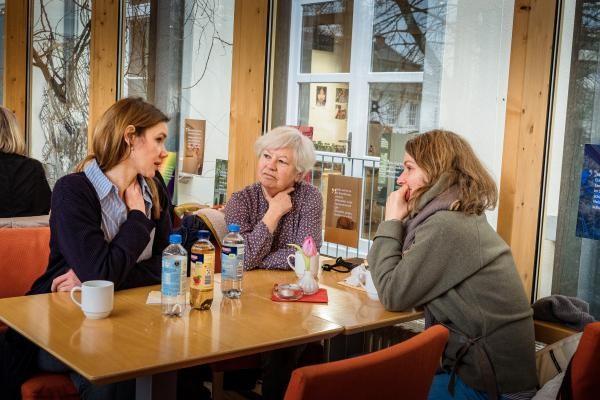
404 370
22 247
585 366
23 258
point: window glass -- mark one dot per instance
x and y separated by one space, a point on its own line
59 81
393 111
324 106
326 36
136 49
178 56
571 232
2 33
410 66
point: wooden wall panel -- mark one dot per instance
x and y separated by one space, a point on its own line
15 60
525 131
247 90
104 56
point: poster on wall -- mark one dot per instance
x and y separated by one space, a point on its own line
321 97
588 214
193 139
342 211
220 193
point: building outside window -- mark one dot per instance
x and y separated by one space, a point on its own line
366 75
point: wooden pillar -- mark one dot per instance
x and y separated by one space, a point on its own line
525 133
104 60
15 60
247 90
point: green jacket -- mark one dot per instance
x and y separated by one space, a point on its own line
464 273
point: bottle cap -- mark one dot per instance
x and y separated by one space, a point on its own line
175 238
233 227
203 234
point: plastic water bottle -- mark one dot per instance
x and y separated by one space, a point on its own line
232 263
174 277
202 267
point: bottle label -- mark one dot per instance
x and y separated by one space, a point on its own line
203 267
232 262
171 282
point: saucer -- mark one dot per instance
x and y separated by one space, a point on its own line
288 291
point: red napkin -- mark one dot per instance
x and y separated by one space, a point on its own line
319 297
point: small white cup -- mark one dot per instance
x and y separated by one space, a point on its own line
366 281
96 298
298 264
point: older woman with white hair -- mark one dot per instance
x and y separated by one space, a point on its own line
280 208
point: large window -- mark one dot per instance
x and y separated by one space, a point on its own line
59 65
3 34
571 233
367 75
177 54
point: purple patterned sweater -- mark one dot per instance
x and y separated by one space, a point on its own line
263 249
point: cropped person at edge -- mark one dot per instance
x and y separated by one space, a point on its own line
24 190
436 249
109 221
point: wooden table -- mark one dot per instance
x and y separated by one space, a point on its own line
136 341
348 307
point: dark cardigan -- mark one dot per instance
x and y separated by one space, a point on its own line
77 240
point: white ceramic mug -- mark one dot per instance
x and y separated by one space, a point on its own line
298 264
366 281
96 298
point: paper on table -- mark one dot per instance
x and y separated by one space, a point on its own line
153 297
344 283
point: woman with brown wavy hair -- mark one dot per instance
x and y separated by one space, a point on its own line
436 249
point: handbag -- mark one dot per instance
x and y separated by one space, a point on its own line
554 358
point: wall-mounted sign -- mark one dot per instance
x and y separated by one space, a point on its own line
193 139
588 215
342 212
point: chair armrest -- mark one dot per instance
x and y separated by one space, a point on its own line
550 332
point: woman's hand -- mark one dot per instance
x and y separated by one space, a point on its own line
65 282
279 205
396 206
133 197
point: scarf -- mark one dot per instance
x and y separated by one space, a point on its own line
441 196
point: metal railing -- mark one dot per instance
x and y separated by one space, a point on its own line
374 193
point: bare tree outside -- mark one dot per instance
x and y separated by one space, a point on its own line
60 54
402 30
60 51
200 16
